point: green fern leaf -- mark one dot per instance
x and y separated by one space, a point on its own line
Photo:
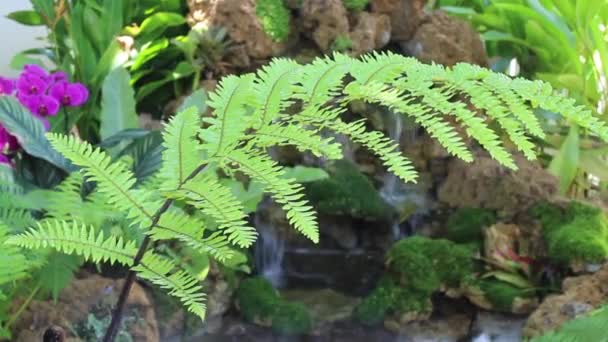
217 201
114 180
321 80
13 264
189 230
284 191
181 154
231 115
74 238
381 67
179 283
302 139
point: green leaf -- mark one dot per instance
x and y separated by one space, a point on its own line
250 197
29 132
182 70
21 59
303 174
29 18
127 134
154 26
565 163
58 272
146 152
197 99
117 104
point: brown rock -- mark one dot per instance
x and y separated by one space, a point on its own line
219 298
324 21
241 22
373 31
446 40
580 295
486 184
78 300
405 16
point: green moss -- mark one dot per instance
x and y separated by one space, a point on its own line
417 267
466 225
390 297
578 234
275 17
348 192
500 294
342 44
439 259
260 302
355 5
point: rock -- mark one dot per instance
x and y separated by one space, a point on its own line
240 20
219 298
446 40
340 230
486 184
146 121
499 240
325 305
405 16
372 32
580 295
447 328
87 299
324 21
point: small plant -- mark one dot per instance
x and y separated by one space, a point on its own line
275 18
342 44
355 5
253 112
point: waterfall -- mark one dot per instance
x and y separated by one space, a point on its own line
394 191
269 252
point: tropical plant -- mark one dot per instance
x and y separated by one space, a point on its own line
283 104
563 43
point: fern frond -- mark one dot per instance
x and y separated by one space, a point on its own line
231 117
66 200
179 283
284 191
13 264
217 201
426 116
16 219
381 67
181 154
302 139
75 238
322 80
190 230
273 89
385 148
114 180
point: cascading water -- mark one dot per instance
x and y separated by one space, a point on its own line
394 190
269 252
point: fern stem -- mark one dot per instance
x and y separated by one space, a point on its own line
23 306
112 330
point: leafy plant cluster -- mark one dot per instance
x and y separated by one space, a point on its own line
563 43
187 200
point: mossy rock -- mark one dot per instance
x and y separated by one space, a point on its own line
355 5
449 262
260 303
389 297
348 192
274 17
493 294
576 234
466 225
416 268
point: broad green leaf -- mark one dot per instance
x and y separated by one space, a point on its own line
127 134
303 174
113 57
511 278
149 51
30 132
146 152
250 197
58 272
565 164
112 18
154 26
21 59
197 99
182 70
117 104
29 18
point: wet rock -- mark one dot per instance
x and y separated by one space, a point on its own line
88 299
372 32
446 40
449 328
580 295
497 327
486 184
146 121
219 298
405 16
240 20
324 21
